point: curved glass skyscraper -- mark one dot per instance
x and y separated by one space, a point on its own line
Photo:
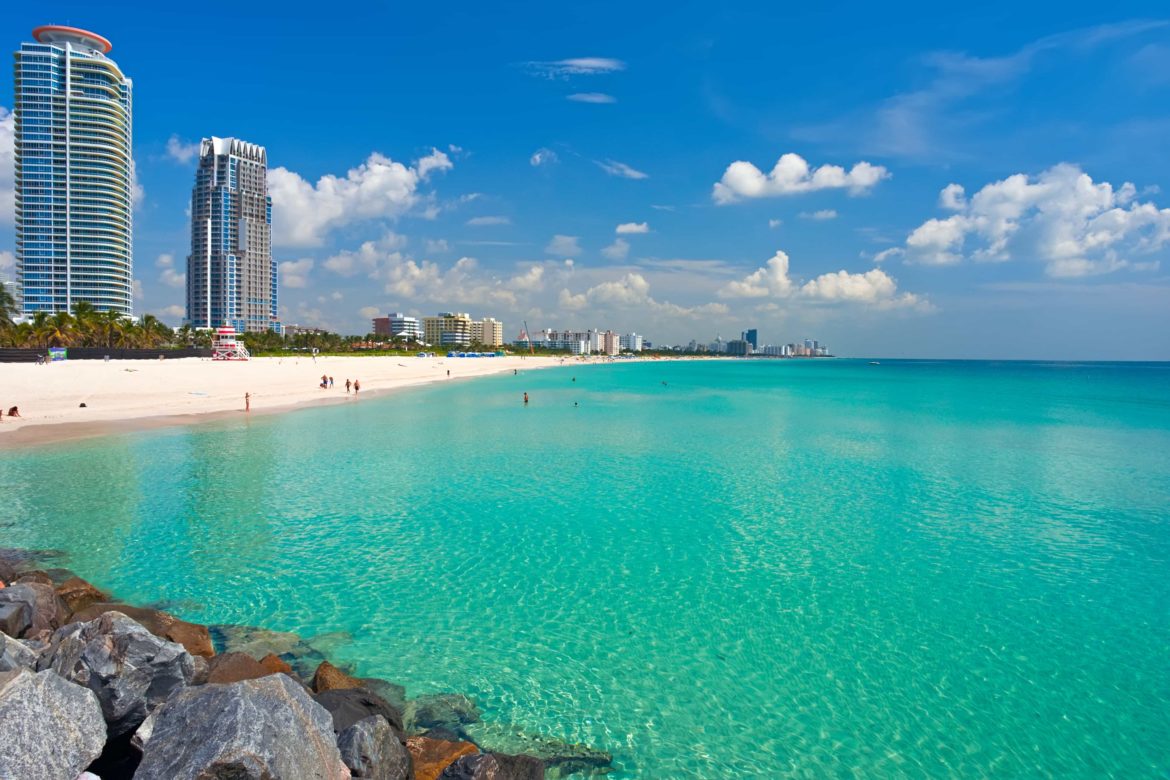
74 174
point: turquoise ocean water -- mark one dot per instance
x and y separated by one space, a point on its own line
758 569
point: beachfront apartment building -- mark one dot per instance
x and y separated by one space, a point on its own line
74 174
231 278
488 332
632 342
447 329
611 343
398 325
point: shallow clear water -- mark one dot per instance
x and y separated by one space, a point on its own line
760 569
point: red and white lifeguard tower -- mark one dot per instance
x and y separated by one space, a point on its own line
226 345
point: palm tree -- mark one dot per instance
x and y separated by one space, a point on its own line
58 330
112 326
87 323
7 308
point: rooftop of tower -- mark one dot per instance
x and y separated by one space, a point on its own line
59 33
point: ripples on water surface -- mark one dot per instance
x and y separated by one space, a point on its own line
762 569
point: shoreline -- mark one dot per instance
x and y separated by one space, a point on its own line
137 395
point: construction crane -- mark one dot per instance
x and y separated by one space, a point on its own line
528 337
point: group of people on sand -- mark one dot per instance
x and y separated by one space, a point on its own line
327 383
12 412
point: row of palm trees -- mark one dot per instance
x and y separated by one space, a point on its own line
85 327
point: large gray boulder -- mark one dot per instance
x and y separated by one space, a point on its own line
349 705
131 670
371 749
259 729
15 654
30 608
49 728
494 766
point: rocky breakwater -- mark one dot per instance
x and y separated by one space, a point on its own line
91 688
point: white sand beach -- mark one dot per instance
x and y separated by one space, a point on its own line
145 393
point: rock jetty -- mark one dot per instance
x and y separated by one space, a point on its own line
94 688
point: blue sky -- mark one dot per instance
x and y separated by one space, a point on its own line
986 182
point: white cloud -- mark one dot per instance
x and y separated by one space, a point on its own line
770 280
874 287
488 221
599 98
819 216
369 312
615 168
563 246
632 291
952 198
1060 217
531 280
886 254
662 207
775 223
295 273
379 188
137 191
173 312
437 246
576 66
7 167
182 151
136 290
543 156
170 276
632 227
7 261
618 250
370 257
792 175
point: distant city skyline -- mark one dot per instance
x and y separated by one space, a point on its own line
946 186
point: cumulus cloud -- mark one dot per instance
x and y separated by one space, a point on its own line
874 287
169 275
368 258
295 273
591 97
791 176
618 250
632 227
1060 217
575 66
632 291
7 261
488 221
369 312
769 280
182 151
819 216
620 169
173 312
543 156
563 246
531 280
436 246
304 213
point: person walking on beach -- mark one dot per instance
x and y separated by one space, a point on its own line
356 386
348 384
247 402
448 373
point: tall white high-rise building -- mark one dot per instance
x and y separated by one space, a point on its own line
74 174
231 278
